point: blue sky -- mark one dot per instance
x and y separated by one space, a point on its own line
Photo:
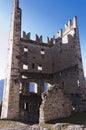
43 17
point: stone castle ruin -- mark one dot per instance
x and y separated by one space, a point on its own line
34 66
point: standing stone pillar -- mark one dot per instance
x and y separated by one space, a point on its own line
40 87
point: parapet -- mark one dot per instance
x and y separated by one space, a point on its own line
39 38
69 29
75 24
51 41
59 34
26 36
68 26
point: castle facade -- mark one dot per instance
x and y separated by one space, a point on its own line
34 66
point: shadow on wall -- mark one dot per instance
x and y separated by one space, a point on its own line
76 118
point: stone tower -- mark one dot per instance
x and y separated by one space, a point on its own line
34 65
10 106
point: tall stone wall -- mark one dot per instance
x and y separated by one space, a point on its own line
55 104
10 106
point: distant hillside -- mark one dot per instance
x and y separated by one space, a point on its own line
1 89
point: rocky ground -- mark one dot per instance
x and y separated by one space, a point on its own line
76 122
57 126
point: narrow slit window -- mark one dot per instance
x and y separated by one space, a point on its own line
20 89
78 83
33 65
25 106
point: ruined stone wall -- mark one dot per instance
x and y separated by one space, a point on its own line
29 107
63 54
55 104
56 62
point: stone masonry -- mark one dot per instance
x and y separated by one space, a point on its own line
55 104
33 66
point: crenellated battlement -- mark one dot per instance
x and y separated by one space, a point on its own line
26 36
59 33
38 39
71 25
69 29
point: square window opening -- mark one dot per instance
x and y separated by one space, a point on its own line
42 52
25 67
25 49
39 67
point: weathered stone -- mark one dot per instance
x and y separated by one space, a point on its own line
46 129
31 61
55 104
